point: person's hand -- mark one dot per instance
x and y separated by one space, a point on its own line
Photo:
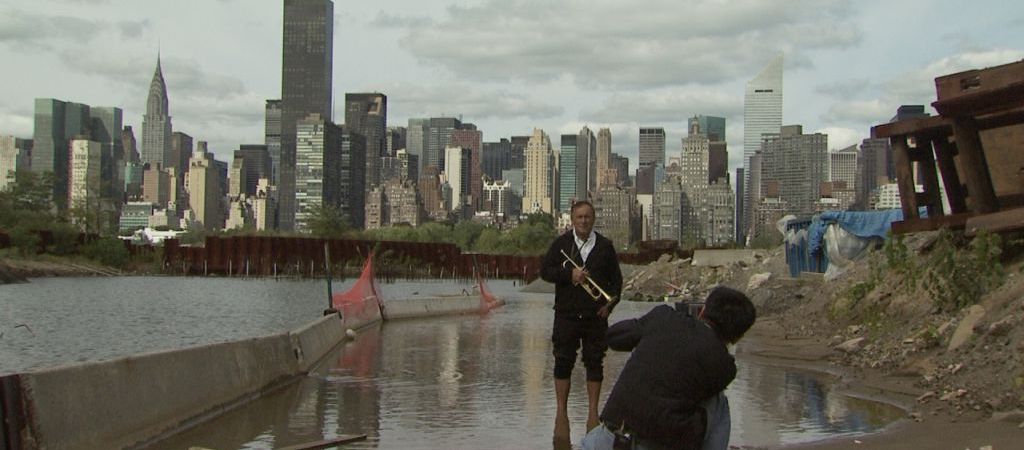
604 312
579 276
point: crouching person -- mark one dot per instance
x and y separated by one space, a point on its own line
670 392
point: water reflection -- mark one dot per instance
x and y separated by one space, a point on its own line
485 382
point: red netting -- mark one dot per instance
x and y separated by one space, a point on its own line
487 300
360 304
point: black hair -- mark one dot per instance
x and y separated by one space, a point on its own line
580 203
730 312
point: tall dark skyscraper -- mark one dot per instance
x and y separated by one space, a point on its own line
307 55
652 146
56 122
272 138
367 114
156 124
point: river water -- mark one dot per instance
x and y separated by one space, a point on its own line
447 382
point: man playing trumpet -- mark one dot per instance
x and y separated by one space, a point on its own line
584 267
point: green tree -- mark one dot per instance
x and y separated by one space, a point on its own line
107 251
327 221
465 233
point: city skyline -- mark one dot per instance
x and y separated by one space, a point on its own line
847 65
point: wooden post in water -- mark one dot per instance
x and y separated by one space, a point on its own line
327 272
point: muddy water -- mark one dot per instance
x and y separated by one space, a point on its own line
485 382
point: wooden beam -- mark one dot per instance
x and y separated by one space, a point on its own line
972 160
904 177
944 153
920 126
926 168
343 439
930 223
1008 220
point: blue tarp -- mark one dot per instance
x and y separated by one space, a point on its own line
864 224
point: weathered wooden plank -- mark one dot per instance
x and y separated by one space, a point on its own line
930 180
955 221
343 439
919 126
1008 220
944 153
904 177
976 175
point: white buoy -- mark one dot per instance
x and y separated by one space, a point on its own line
350 333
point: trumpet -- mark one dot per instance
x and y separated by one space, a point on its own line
590 286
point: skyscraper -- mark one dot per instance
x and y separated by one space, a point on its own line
586 165
366 114
652 146
272 138
307 53
799 164
568 161
56 123
471 138
204 190
762 113
603 158
15 156
156 123
718 155
316 168
537 174
107 123
496 157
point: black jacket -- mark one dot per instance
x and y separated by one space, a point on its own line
678 362
602 263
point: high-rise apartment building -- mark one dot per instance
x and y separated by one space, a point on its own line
15 156
352 176
615 214
537 184
84 178
204 190
307 54
156 185
416 141
799 164
695 158
394 139
719 215
843 166
518 156
652 146
366 114
762 113
316 168
739 234
666 210
156 123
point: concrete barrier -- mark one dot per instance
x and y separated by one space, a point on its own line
129 401
316 339
431 306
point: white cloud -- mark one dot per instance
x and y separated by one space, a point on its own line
664 107
434 100
609 43
839 137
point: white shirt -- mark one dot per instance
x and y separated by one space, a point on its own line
585 246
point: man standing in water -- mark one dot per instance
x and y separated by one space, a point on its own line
575 262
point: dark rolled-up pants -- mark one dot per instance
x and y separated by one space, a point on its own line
568 334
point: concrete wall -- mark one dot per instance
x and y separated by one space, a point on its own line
431 306
316 339
114 404
715 258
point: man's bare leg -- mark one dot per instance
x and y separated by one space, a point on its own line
593 397
562 413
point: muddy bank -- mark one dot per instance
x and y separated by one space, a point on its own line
16 270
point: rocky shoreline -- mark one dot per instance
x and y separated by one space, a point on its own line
20 270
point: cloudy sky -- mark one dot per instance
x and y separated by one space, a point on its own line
508 65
